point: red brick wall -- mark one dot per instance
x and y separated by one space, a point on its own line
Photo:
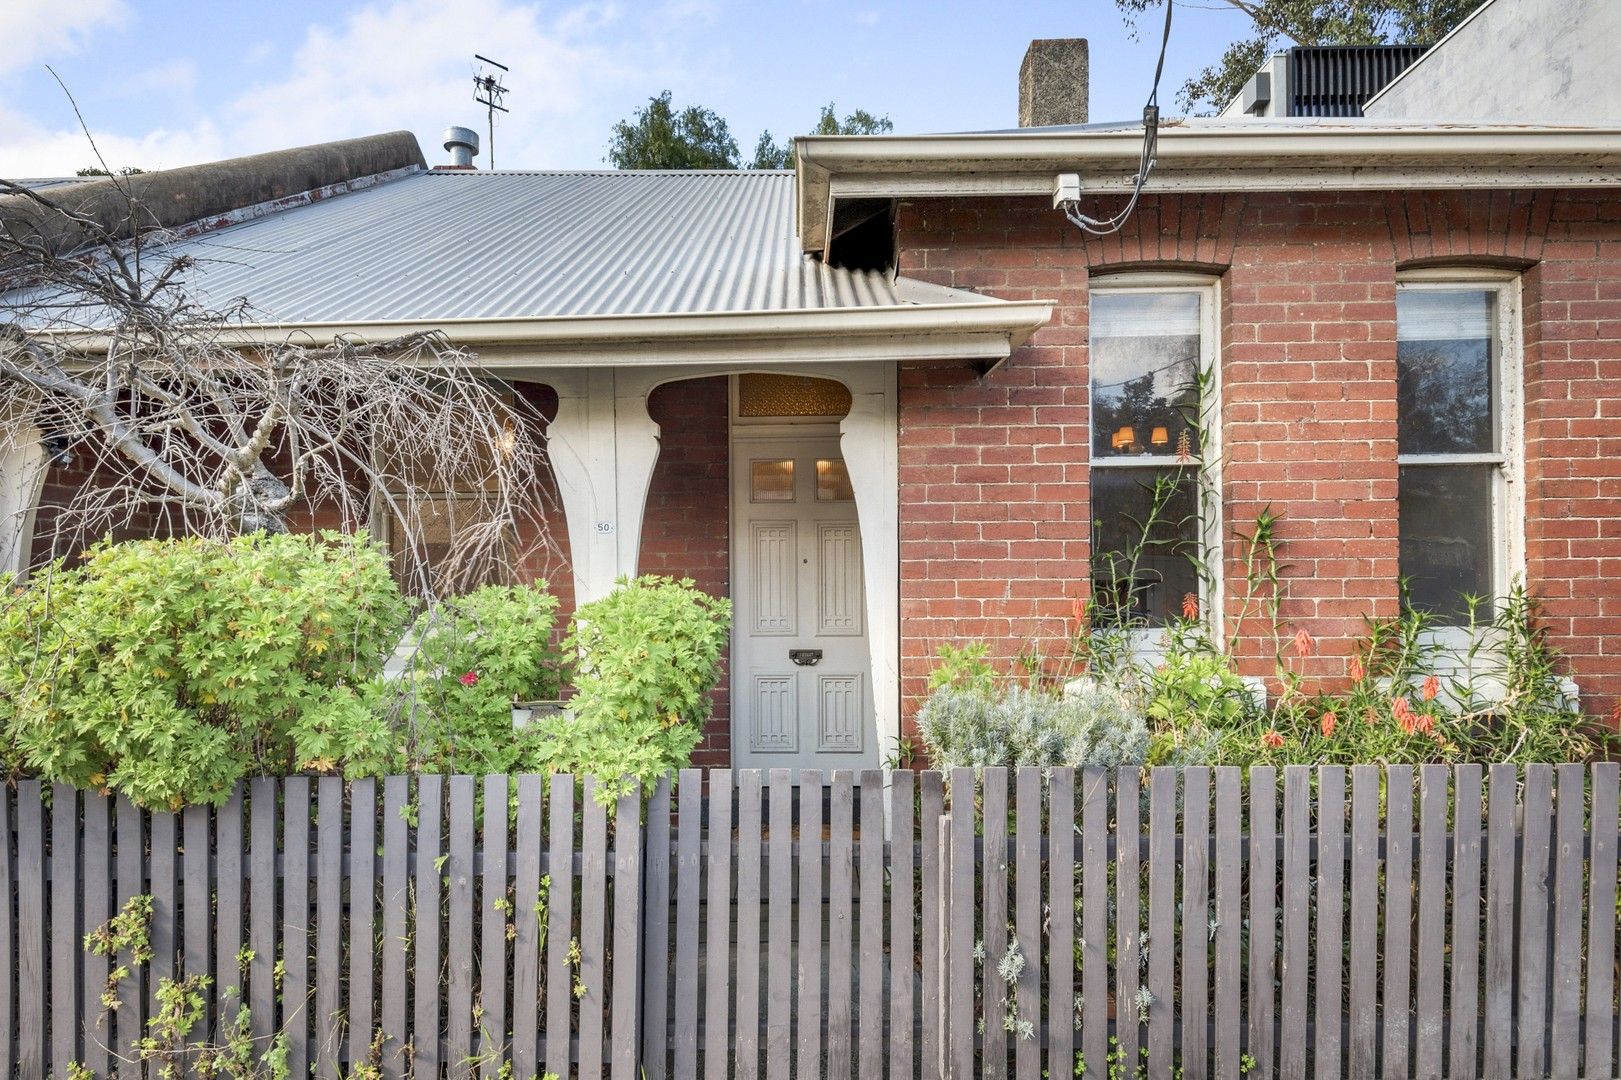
994 531
687 523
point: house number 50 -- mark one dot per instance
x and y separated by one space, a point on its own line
605 528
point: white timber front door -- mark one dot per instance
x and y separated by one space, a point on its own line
802 693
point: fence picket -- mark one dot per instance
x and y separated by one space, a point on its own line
95 1020
1195 921
196 896
329 795
396 925
656 958
959 885
717 937
1128 914
459 929
1395 1003
526 916
1497 1006
1296 917
424 1031
1061 937
230 972
902 996
870 966
1601 1013
780 933
263 793
746 969
593 928
1263 918
1161 942
932 932
1095 902
1328 954
1564 1032
994 872
32 940
1428 1021
163 886
494 916
1027 892
1464 1000
808 984
559 921
1229 920
8 936
362 916
1363 1050
840 895
64 949
1532 1010
625 998
688 864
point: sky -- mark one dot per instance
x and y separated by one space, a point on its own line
162 83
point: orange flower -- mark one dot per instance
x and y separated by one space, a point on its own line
1370 717
1303 642
1403 712
1424 723
1079 609
1190 606
1330 722
1357 674
1272 740
1432 686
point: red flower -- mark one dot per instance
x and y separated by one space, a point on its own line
1190 606
1432 686
1403 712
1330 722
1357 674
1272 740
1303 642
470 679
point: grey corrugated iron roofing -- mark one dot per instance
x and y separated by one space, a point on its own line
469 245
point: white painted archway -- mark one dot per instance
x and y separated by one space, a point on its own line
603 447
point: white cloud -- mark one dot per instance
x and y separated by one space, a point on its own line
408 64
32 29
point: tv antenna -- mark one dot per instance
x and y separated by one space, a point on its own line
489 91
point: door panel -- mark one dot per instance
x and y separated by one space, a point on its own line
800 651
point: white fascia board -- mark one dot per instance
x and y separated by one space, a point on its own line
988 329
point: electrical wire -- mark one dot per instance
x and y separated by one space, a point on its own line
1145 164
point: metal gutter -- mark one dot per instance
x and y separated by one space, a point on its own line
988 331
1227 155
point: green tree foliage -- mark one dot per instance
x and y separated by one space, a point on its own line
166 670
1308 22
659 137
768 154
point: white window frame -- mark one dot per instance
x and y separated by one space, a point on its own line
1148 643
1508 385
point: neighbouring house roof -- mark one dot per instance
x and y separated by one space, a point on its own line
1198 155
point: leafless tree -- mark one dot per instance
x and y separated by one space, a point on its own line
200 422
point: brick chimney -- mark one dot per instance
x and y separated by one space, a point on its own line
1053 83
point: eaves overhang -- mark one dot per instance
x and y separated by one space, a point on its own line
1247 155
984 331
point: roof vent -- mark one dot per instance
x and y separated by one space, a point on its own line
463 146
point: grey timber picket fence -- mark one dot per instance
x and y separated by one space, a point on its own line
1324 922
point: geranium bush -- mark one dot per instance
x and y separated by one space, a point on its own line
166 670
645 658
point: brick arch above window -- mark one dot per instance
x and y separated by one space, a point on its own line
1463 228
1182 232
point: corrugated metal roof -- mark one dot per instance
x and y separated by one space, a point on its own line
461 245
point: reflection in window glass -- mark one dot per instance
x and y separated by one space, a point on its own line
1444 388
1446 538
771 481
1135 582
833 481
1144 362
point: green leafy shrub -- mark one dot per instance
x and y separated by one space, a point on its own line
1091 724
646 657
476 655
168 669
